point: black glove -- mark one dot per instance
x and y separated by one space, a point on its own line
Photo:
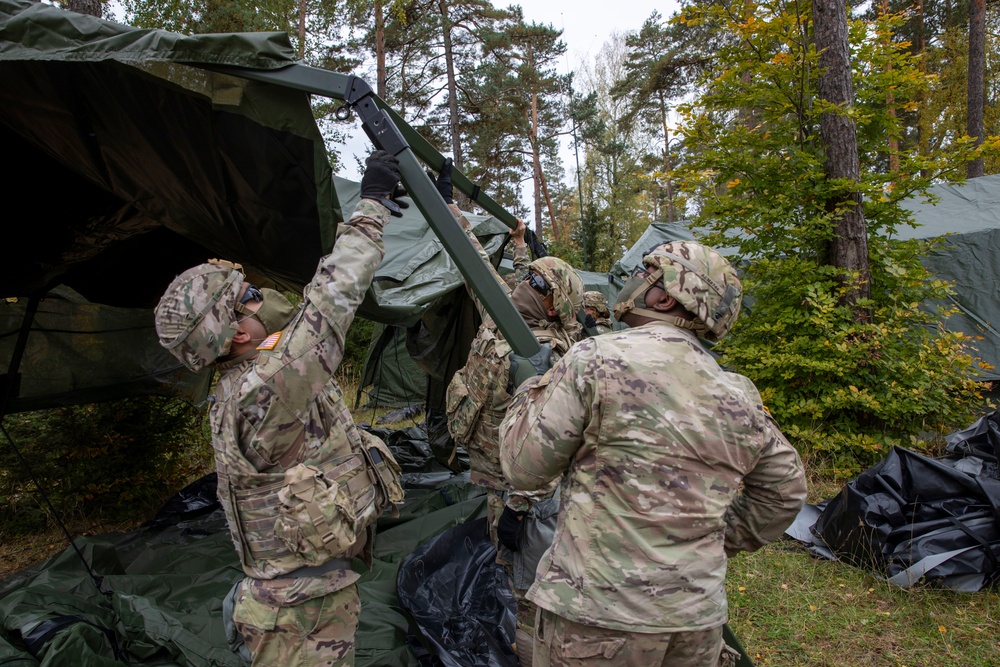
381 182
522 368
443 182
509 528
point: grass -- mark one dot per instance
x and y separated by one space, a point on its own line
788 608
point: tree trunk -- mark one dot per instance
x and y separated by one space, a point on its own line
301 53
380 85
91 7
536 162
449 60
923 120
977 86
889 105
666 158
548 203
849 246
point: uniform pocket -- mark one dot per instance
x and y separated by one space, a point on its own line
318 518
387 472
249 611
575 646
462 410
729 656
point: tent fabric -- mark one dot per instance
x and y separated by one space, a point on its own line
655 234
968 216
116 351
392 378
143 142
162 587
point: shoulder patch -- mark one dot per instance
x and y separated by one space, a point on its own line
270 342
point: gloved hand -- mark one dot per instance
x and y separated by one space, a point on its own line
443 181
522 368
509 528
381 182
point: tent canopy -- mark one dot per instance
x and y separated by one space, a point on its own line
161 162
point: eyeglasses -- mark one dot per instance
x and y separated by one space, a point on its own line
252 294
538 284
640 271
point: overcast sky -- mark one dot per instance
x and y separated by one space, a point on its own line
586 26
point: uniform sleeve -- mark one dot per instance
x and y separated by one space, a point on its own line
522 258
773 493
343 276
543 429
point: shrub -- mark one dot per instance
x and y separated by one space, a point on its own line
104 461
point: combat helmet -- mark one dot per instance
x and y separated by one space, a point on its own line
701 280
195 318
567 289
597 301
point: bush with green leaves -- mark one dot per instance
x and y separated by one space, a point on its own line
845 382
101 462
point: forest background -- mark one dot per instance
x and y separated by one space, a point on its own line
788 132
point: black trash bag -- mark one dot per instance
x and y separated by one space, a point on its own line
196 499
460 599
911 518
976 450
412 451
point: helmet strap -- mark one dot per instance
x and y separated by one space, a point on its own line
691 325
628 304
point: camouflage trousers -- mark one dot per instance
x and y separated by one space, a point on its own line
316 632
560 642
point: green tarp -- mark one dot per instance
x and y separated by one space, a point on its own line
163 589
969 258
135 162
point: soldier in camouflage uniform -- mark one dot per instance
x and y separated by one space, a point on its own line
300 484
596 307
668 464
548 297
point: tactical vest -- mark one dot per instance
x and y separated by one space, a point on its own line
306 515
478 398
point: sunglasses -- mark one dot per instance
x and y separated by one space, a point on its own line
252 294
538 284
640 270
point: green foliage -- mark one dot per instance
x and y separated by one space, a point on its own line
112 460
843 385
359 337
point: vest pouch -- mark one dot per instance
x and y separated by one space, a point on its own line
386 473
318 518
462 409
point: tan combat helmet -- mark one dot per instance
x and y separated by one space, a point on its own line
195 318
598 302
567 290
701 280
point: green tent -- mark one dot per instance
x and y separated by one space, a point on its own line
968 216
166 150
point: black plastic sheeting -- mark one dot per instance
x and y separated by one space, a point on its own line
460 599
916 519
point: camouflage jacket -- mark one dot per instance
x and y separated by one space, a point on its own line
478 398
284 408
667 463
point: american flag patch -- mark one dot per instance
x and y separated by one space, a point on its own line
270 342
